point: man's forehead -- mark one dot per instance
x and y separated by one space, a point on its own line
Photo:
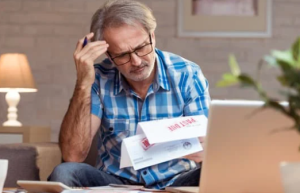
122 39
131 43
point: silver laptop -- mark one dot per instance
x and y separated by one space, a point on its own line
244 148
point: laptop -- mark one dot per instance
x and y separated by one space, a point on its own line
244 149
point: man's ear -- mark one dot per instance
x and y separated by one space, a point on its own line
153 35
153 38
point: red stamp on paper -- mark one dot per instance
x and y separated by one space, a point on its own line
145 144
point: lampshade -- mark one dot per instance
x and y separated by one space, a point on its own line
15 73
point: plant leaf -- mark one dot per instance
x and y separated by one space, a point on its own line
259 67
296 50
246 79
276 105
271 60
229 77
285 56
234 66
288 62
225 83
282 80
294 101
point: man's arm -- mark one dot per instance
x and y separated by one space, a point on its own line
79 126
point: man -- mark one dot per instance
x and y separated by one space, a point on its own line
136 83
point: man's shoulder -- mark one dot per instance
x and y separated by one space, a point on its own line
105 69
177 64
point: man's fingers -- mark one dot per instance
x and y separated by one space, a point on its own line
95 48
197 157
98 53
89 36
92 46
194 158
93 55
80 42
199 153
201 139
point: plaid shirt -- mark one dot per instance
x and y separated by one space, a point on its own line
179 89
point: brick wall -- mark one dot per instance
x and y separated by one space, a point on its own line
47 31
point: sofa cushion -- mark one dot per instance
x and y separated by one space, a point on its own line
22 163
48 156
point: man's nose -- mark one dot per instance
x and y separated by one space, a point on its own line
135 59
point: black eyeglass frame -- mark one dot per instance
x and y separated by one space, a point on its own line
134 51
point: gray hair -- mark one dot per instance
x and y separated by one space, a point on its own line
115 13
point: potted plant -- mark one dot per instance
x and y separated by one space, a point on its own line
288 62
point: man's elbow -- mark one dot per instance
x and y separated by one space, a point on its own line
73 157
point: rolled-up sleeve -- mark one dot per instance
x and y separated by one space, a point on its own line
197 97
96 104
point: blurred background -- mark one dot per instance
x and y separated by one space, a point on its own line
47 32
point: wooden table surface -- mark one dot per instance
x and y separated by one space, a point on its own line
106 191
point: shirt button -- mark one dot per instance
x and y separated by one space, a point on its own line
145 172
111 129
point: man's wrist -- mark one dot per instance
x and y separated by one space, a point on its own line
82 90
82 87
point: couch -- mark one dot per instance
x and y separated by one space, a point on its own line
35 161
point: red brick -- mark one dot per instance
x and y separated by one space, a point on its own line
93 5
37 6
69 6
3 17
6 29
284 21
37 29
48 18
10 5
68 30
18 41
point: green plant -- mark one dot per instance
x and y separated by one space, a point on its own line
288 61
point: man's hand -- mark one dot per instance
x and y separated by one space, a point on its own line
84 58
198 156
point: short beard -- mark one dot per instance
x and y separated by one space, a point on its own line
141 77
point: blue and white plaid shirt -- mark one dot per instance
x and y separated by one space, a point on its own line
179 89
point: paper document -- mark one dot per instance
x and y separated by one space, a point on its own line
163 140
122 188
104 190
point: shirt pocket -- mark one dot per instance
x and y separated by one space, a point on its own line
114 131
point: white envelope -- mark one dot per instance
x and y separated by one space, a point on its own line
163 140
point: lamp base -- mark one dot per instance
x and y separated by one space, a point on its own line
12 123
12 98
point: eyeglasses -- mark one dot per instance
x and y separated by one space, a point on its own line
126 57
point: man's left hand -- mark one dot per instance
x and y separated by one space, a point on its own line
198 156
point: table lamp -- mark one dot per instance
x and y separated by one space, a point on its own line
15 77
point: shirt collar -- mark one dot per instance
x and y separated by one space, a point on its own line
161 78
161 75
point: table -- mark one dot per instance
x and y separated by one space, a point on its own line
24 134
13 189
